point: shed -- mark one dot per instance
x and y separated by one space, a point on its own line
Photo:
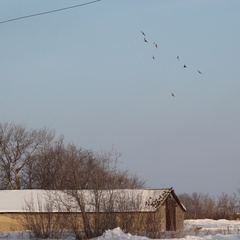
133 210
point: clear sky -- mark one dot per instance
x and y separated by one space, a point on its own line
88 74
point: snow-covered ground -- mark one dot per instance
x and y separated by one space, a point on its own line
204 229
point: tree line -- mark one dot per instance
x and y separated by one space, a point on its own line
37 159
201 206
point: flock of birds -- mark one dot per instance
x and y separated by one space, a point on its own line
153 57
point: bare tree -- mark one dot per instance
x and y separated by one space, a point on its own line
34 159
56 168
201 206
228 206
97 173
18 146
198 205
49 169
46 223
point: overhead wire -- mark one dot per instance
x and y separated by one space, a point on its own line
48 12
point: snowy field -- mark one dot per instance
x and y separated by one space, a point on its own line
205 229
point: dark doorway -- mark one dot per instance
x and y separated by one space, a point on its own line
170 214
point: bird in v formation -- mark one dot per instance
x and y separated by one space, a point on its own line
156 46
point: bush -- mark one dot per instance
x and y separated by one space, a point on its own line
44 223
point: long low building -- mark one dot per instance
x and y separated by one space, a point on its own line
135 210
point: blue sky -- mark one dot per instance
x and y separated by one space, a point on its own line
88 74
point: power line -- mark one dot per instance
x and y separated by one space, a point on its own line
52 11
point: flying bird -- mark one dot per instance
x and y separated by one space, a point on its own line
178 58
155 44
145 40
153 58
184 66
199 71
173 95
143 33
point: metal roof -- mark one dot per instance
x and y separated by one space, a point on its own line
118 200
